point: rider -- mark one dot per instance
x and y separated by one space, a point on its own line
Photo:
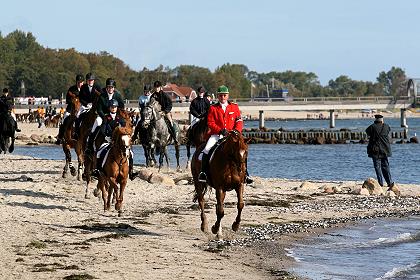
86 97
6 106
166 106
143 101
199 106
222 117
108 93
73 90
110 122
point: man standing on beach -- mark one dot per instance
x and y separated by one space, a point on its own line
379 149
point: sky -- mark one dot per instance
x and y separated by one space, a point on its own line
357 38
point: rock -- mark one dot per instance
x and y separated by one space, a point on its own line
36 138
364 191
395 190
182 182
306 186
161 179
319 140
414 140
337 189
145 174
390 194
329 189
372 186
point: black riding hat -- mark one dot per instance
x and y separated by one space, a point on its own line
113 103
110 82
90 76
79 78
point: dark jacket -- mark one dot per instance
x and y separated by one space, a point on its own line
6 104
87 97
74 90
164 101
378 140
109 124
103 102
199 107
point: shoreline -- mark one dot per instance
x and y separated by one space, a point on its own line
51 231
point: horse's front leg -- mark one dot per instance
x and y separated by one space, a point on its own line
188 146
161 155
178 168
240 206
120 198
102 186
220 212
80 161
202 204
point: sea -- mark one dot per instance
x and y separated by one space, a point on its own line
374 249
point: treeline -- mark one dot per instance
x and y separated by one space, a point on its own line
49 72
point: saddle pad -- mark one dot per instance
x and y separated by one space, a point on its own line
103 152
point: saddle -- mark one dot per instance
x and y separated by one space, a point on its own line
103 152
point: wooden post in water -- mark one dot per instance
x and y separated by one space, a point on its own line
404 122
332 119
261 121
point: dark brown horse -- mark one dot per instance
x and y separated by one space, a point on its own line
68 142
115 170
227 171
196 135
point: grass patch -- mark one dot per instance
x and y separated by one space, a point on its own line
268 203
37 244
79 277
108 237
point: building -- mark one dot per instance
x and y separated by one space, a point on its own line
178 93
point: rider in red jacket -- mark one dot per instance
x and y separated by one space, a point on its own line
222 117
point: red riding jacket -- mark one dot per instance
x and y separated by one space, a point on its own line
217 119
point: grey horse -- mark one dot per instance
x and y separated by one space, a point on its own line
156 135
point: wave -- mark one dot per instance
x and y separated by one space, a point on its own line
290 253
401 238
411 271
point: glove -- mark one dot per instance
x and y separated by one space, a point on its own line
108 139
223 132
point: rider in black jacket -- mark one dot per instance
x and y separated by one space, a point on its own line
200 105
6 106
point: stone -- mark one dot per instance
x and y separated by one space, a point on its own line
414 140
161 180
306 186
182 182
329 189
372 186
390 194
337 189
395 190
364 191
36 138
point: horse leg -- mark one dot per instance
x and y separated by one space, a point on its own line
80 165
188 146
178 168
101 186
202 204
240 196
161 154
110 192
220 212
67 155
118 205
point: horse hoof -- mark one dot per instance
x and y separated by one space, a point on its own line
87 196
235 226
64 175
96 192
120 213
214 229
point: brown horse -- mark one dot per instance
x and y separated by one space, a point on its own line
227 171
196 135
115 170
68 142
90 162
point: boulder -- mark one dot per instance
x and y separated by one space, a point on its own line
414 140
306 186
372 186
182 182
337 189
364 191
161 180
393 188
329 189
390 194
36 138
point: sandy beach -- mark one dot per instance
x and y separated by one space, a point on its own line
50 231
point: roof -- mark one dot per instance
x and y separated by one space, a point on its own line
181 91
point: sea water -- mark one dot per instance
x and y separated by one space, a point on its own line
374 249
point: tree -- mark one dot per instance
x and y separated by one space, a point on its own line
392 80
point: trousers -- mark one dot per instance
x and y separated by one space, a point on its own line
382 170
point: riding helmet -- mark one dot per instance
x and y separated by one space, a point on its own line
201 89
79 78
110 82
113 103
157 84
147 87
90 76
222 89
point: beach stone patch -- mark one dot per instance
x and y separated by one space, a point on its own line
36 138
306 186
372 186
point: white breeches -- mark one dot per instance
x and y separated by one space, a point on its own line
83 109
211 142
98 122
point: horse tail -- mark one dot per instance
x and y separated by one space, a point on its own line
200 190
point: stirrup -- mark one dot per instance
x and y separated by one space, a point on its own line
95 173
202 177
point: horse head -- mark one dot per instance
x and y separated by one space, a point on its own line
126 116
235 147
76 102
121 138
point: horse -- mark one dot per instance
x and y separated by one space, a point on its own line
68 142
156 135
90 162
227 171
115 168
7 133
196 135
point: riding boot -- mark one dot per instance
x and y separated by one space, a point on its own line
136 133
96 172
60 134
91 141
76 128
17 128
248 179
131 174
202 177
